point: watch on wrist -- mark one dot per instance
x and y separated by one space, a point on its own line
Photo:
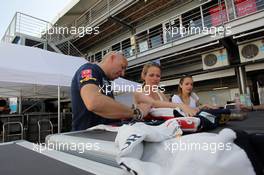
137 114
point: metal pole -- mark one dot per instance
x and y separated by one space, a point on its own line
242 79
202 16
234 9
59 117
238 79
20 103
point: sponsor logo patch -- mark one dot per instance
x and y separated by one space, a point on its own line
87 75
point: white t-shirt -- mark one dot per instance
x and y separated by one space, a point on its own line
193 100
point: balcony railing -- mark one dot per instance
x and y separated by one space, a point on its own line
29 26
25 24
98 10
210 15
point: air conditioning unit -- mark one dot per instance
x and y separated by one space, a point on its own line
215 59
251 51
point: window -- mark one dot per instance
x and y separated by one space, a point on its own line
172 30
143 46
150 38
214 14
126 48
98 56
116 47
88 58
91 58
260 4
142 41
155 36
244 7
105 51
192 22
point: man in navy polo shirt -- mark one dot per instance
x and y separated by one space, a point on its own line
92 97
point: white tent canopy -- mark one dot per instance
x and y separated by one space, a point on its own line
33 72
27 71
36 73
21 64
8 89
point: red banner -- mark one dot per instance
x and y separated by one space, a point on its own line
218 15
244 7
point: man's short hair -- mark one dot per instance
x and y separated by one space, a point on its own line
113 53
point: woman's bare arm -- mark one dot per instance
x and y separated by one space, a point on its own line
143 98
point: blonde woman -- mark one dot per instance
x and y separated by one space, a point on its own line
153 94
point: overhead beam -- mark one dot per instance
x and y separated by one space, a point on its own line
128 26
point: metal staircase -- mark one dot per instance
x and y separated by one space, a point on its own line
31 31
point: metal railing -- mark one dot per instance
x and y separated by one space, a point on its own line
98 10
8 124
60 41
184 25
26 25
213 13
47 131
209 15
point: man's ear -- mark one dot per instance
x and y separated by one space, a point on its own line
112 57
142 77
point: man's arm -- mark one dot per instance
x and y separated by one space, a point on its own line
258 107
105 106
252 108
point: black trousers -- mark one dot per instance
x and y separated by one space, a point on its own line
253 145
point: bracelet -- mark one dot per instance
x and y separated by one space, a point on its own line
137 113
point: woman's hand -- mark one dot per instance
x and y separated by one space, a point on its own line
207 106
190 112
143 98
245 108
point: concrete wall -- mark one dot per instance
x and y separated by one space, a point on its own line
108 43
221 96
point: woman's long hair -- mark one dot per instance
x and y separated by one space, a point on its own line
146 68
180 83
